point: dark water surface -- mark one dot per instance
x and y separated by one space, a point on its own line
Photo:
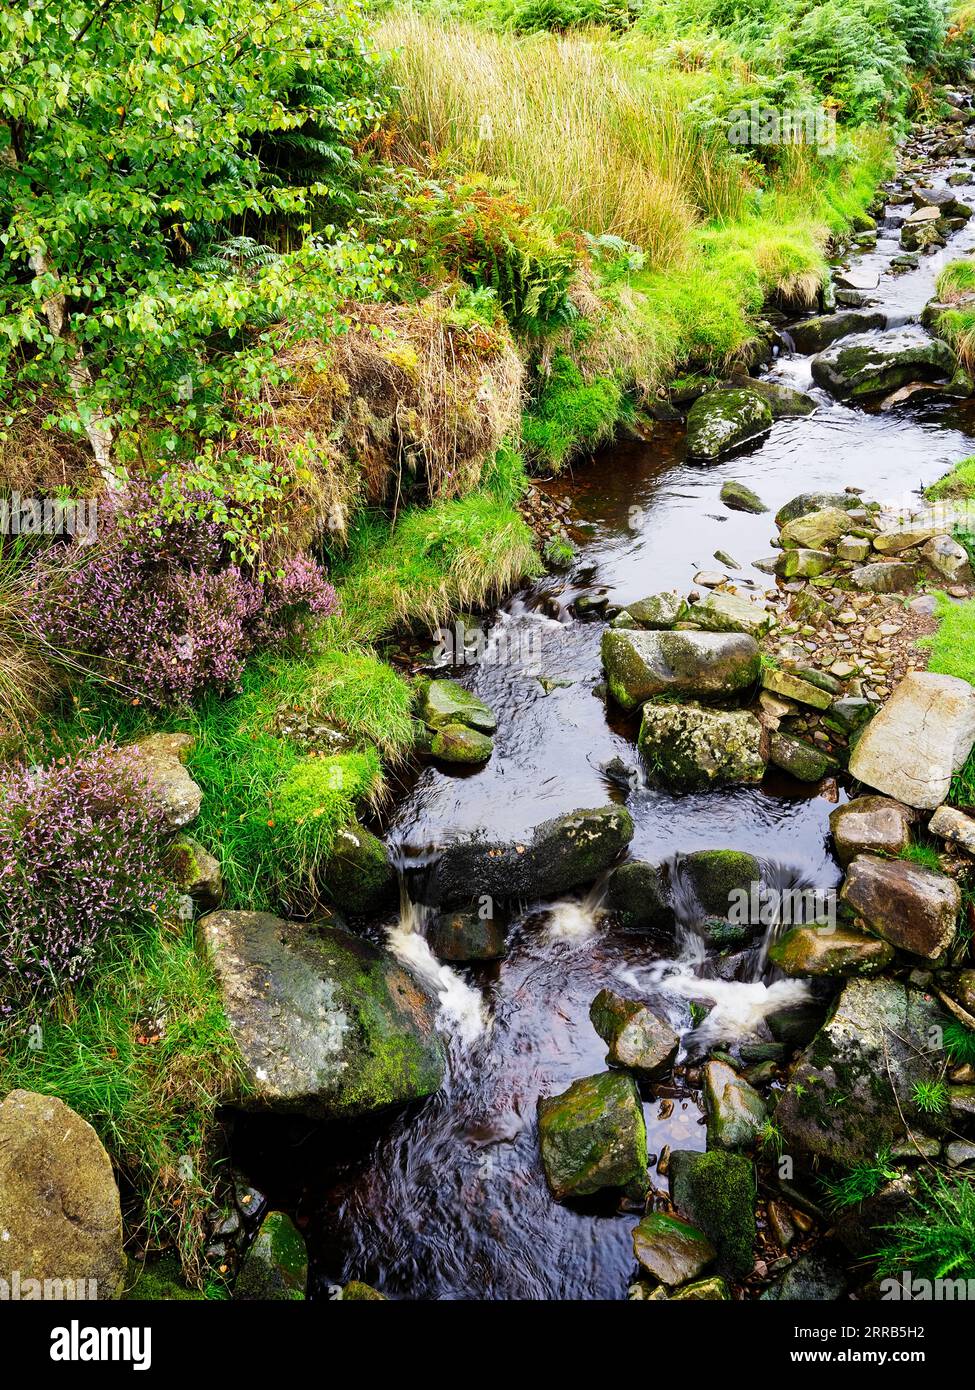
449 1200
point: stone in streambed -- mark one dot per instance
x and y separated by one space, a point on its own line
456 743
562 853
327 1025
355 1291
688 746
635 892
792 687
60 1216
740 498
806 502
810 1279
637 1039
275 1268
447 702
913 908
870 824
920 738
814 335
880 577
799 759
719 877
802 564
785 402
723 612
858 1073
642 665
954 826
721 420
670 1250
358 876
593 1136
865 365
811 950
736 1112
948 559
815 530
716 1192
658 611
464 935
713 1290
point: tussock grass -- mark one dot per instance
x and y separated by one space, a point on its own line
935 1238
958 484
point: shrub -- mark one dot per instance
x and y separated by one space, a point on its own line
80 858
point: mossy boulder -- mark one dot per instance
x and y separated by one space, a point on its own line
159 1281
358 876
721 420
723 612
658 611
716 1192
593 1136
637 1039
60 1214
670 1250
689 665
799 758
815 335
736 1113
719 878
803 563
466 934
865 365
357 1292
688 746
635 892
196 871
815 530
275 1268
713 1290
740 498
565 852
327 1024
447 702
785 402
805 502
884 577
852 1092
456 743
811 950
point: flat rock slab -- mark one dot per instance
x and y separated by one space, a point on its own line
920 738
326 1023
687 746
593 1136
814 335
832 952
60 1216
690 665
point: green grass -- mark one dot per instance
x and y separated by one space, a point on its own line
959 1042
571 414
931 1097
935 1239
952 647
863 1180
959 483
152 1103
957 279
926 856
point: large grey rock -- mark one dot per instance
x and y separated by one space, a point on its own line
593 1136
326 1024
689 665
60 1217
870 825
920 738
884 577
913 908
720 420
637 1039
163 756
686 746
857 1076
562 853
871 365
358 876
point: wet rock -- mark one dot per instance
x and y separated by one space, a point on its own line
794 1025
326 1023
807 502
275 1268
953 826
723 612
658 611
565 852
593 1136
721 420
814 335
686 746
870 824
853 548
163 756
849 715
713 1290
465 934
715 1191
811 950
736 1112
920 738
815 530
637 1039
357 1292
841 1103
719 878
196 871
866 366
811 1279
741 498
785 402
857 279
880 577
800 759
635 892
947 558
802 563
913 908
60 1217
456 743
670 1250
792 687
445 702
961 1103
861 1228
358 876
641 665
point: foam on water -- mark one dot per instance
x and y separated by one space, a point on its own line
463 1012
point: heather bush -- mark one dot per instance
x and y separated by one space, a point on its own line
80 858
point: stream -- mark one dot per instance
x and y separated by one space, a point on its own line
448 1200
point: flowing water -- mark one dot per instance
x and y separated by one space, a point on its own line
448 1200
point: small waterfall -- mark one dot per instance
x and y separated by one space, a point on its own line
577 921
463 1012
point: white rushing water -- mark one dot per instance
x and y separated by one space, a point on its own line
462 1010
